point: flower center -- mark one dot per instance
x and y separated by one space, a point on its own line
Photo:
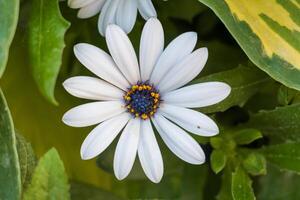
142 100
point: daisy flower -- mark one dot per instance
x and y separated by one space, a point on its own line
120 12
131 94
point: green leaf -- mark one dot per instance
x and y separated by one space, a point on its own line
81 191
8 19
268 32
244 83
246 136
218 160
27 159
49 180
241 186
10 180
46 43
278 185
281 124
255 164
285 156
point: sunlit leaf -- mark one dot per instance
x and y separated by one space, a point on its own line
10 180
49 180
268 31
46 32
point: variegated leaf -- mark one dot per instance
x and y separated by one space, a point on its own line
269 33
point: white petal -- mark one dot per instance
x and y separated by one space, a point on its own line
126 14
146 9
176 51
178 141
101 64
198 95
93 113
79 3
185 71
149 153
107 15
92 88
91 9
193 121
127 148
123 53
151 47
102 136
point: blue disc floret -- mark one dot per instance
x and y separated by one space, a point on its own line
142 100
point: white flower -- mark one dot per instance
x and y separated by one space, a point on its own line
133 94
120 12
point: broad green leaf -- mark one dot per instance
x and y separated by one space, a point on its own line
49 181
278 185
246 136
46 43
285 156
281 124
241 186
268 31
10 180
255 164
81 191
244 82
8 19
218 160
27 159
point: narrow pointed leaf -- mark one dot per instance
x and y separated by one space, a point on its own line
46 43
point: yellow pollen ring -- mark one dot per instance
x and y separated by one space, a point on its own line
140 88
